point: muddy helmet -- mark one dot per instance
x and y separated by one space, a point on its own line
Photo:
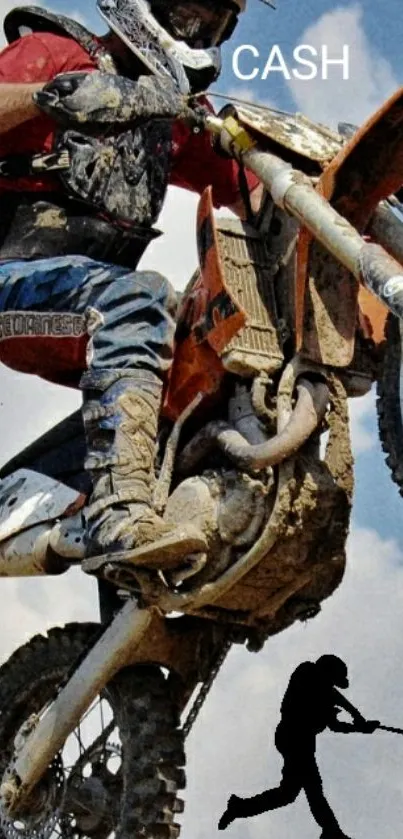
334 669
178 38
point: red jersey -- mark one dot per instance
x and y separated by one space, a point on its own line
40 57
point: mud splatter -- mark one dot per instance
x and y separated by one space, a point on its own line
51 218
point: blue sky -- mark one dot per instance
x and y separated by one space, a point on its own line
229 750
286 26
377 502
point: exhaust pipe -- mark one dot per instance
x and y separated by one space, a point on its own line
312 401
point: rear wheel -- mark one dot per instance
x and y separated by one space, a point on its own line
119 771
390 400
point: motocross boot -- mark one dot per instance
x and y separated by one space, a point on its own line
123 530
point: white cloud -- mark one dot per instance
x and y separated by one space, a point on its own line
29 406
243 93
359 410
371 76
175 253
31 604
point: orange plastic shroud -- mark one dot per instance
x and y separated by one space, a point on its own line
358 177
209 318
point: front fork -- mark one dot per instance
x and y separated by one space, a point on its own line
294 192
113 650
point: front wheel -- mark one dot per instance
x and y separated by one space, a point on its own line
390 400
119 772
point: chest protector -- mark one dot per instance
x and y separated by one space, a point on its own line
113 189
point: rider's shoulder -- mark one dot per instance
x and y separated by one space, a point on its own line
35 50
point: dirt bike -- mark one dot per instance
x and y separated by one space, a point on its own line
283 322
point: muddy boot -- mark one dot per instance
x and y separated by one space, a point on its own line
123 531
233 811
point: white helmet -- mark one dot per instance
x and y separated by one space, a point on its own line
178 38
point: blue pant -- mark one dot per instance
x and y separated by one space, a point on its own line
67 316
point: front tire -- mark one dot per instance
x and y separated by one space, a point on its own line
126 789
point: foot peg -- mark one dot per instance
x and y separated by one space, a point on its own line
165 554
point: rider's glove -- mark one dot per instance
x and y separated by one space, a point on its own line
82 100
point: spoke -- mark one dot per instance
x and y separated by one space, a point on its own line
96 757
77 735
86 753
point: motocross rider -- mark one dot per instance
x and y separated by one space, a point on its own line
73 309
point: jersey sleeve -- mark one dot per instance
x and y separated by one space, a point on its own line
36 58
41 56
26 61
68 56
